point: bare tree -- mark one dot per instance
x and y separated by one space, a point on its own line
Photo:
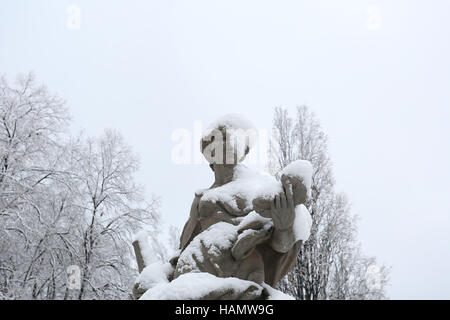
330 265
113 208
64 202
31 121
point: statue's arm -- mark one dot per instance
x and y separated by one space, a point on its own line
191 228
283 240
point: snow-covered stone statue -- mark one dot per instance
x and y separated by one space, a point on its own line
243 233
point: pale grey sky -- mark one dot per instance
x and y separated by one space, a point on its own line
376 73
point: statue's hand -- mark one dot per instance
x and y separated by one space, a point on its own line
283 208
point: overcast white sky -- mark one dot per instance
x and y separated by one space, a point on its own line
376 73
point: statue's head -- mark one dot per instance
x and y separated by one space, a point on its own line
228 140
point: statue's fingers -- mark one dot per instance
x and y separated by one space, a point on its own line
276 220
283 199
277 202
284 183
290 195
273 211
287 187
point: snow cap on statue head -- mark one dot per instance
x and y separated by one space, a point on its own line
228 140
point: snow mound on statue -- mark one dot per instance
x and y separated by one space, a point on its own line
246 184
154 274
302 223
215 239
249 184
200 285
302 169
195 285
147 251
230 121
275 294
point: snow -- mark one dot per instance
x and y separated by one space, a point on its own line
248 220
154 274
229 121
246 184
246 233
146 249
217 238
275 294
220 236
251 218
249 184
302 223
139 236
195 285
301 169
174 254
